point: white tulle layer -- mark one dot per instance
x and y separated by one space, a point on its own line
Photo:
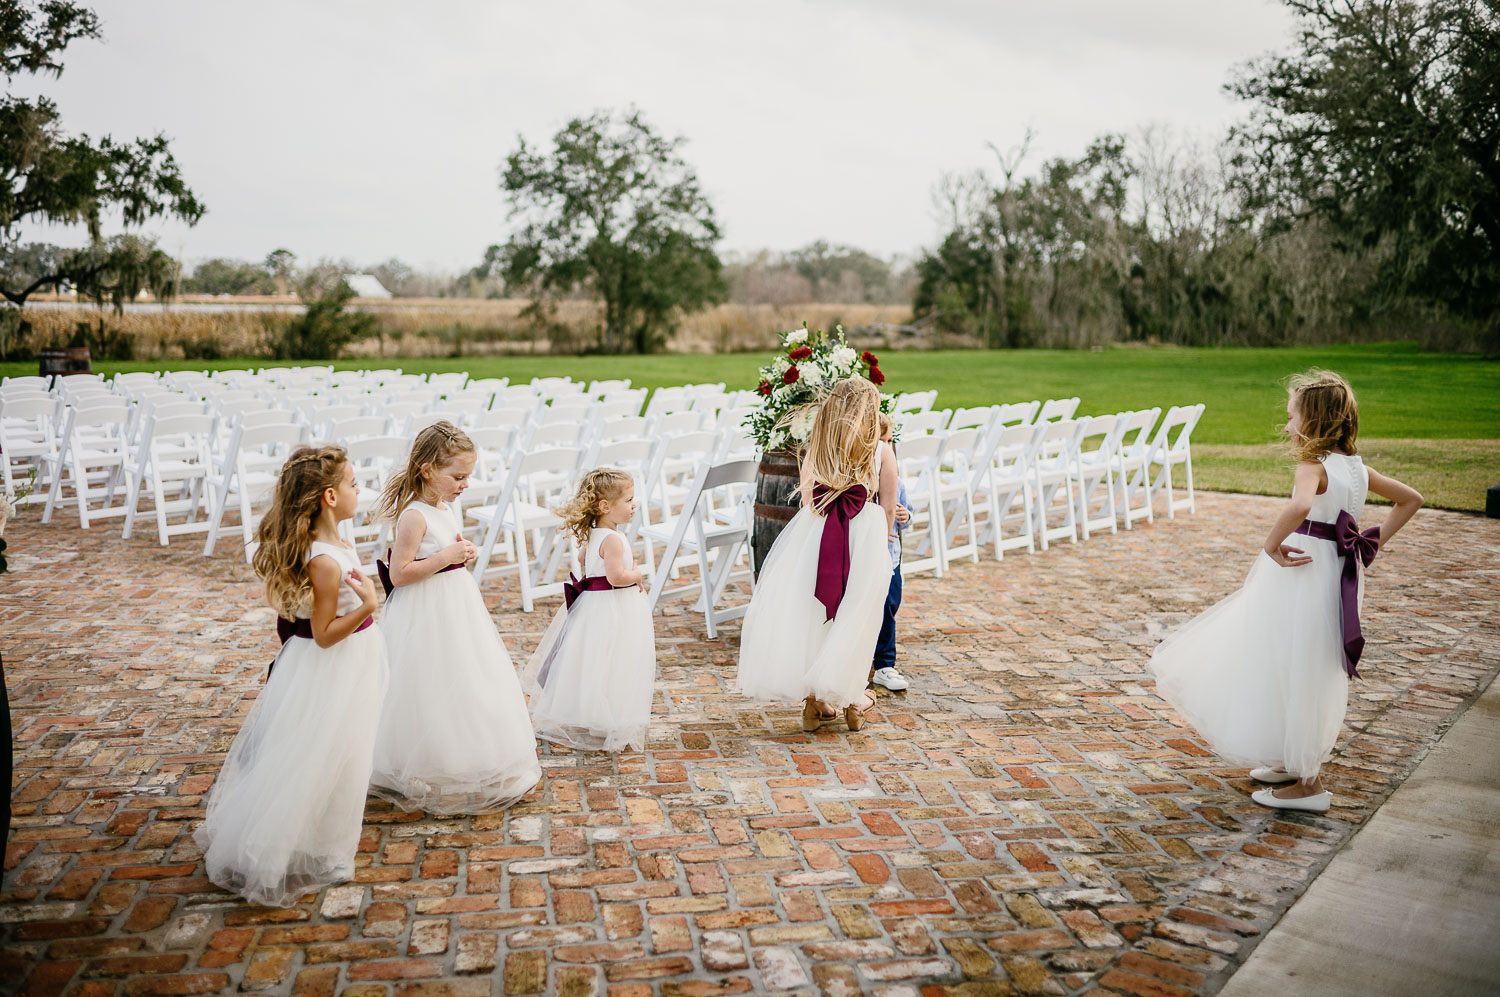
1260 675
285 813
789 650
593 675
454 734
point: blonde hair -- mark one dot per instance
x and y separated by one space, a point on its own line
581 513
845 434
285 533
437 445
1328 413
887 427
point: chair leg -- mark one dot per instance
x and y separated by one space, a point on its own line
523 559
161 511
1192 506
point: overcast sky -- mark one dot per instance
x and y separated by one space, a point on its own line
374 129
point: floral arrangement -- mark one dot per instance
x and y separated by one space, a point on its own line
793 384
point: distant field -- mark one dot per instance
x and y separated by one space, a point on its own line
1431 418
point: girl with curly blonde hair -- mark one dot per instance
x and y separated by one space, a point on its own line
454 736
285 813
591 679
810 632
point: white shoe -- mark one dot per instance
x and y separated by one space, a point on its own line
1317 803
1271 775
891 679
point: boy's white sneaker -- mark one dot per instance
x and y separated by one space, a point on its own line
891 679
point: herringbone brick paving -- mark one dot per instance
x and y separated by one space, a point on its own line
1028 819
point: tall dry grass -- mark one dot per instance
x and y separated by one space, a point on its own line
427 327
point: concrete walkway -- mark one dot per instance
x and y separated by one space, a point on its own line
1412 904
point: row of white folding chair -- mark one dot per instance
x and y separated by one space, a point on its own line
28 438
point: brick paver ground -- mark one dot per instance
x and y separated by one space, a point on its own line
1028 819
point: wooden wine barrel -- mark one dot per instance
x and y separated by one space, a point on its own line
776 501
65 360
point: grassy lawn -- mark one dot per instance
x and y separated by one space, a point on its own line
1432 419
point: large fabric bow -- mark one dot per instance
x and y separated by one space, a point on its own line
574 587
833 548
1357 550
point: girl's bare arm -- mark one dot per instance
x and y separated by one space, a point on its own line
1309 479
617 564
1407 501
327 626
887 486
405 568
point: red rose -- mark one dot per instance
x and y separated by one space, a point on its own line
790 376
877 376
764 388
869 358
800 353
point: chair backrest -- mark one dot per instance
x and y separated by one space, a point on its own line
185 432
1179 418
1015 447
503 416
664 400
1135 436
494 446
634 455
625 427
923 423
570 412
1055 409
916 401
376 454
960 448
12 395
421 420
345 431
26 381
448 382
1100 437
32 408
1058 445
555 435
918 455
619 407
677 423
597 388
975 418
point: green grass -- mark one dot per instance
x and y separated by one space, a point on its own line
1406 397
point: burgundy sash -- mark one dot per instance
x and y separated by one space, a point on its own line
1355 548
302 627
575 587
384 571
833 548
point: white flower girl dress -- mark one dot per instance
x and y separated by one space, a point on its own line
1261 674
454 734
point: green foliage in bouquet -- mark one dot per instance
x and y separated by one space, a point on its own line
794 384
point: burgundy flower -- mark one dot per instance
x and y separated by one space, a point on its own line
877 376
764 388
790 376
869 358
800 353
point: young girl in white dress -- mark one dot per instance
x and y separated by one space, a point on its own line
454 735
1264 675
592 677
811 628
285 813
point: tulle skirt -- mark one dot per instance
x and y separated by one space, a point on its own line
789 650
454 735
285 813
1260 675
593 675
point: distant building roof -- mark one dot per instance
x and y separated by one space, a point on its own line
365 285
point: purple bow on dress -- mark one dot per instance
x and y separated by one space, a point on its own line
833 548
1356 549
384 571
574 587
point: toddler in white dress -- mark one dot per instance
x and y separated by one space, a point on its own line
592 677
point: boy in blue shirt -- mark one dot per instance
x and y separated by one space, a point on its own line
884 665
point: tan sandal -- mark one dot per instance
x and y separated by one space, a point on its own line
855 716
811 718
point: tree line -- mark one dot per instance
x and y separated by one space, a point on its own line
1360 199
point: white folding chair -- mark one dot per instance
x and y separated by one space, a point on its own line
173 457
1133 465
28 439
919 461
625 427
636 457
1017 414
246 473
676 423
697 532
91 456
955 491
342 431
923 423
1053 472
598 389
1057 409
1011 481
1173 446
522 509
915 401
446 383
1095 471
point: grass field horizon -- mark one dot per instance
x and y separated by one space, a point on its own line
1432 419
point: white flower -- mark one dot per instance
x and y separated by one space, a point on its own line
844 357
811 372
796 336
802 424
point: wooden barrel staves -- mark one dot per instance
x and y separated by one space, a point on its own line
776 501
65 360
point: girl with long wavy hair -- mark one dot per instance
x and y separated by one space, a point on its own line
286 810
810 632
